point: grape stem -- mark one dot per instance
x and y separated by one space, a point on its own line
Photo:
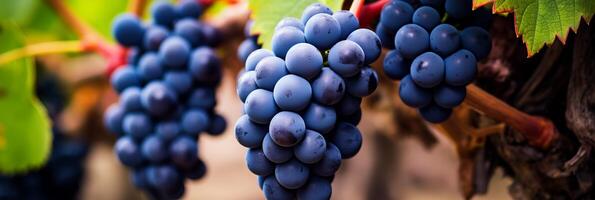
539 132
41 49
92 41
366 14
137 7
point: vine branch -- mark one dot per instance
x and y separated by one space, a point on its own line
42 48
539 132
137 7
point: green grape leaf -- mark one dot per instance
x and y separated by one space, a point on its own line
480 3
25 131
266 14
99 14
539 22
18 11
45 25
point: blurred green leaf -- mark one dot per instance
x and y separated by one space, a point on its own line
25 132
266 14
19 11
99 14
45 25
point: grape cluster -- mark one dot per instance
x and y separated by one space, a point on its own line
167 97
62 176
433 60
302 101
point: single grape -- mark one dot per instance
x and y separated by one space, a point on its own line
125 77
444 39
195 121
314 9
202 97
211 35
255 57
458 9
387 37
154 149
287 129
158 99
246 84
154 36
347 21
113 118
348 139
285 38
189 9
258 163
290 22
128 30
292 93
261 181
328 88
330 162
137 125
163 13
130 99
316 188
174 52
139 178
218 125
248 133
460 68
427 70
413 95
133 56
320 118
369 42
274 191
149 67
128 152
322 31
348 105
274 152
396 14
353 119
268 71
197 171
476 40
412 40
364 83
292 174
346 57
426 17
179 81
205 66
164 177
167 130
434 113
311 149
395 66
184 152
304 60
260 106
449 96
246 47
